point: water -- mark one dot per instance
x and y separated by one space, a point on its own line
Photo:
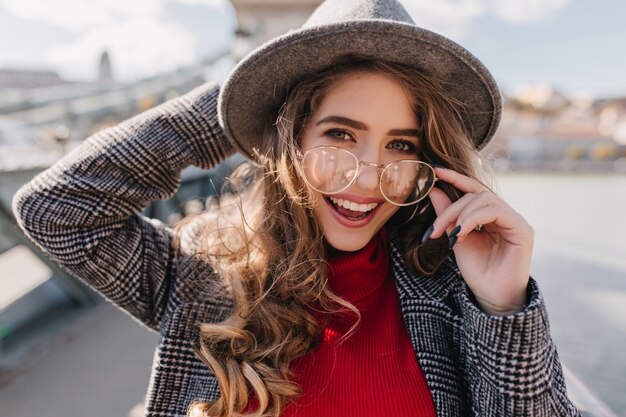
580 263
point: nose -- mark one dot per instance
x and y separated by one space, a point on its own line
369 176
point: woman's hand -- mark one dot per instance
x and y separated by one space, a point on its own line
494 261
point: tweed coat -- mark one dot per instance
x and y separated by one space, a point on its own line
85 213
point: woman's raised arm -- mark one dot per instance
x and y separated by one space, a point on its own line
84 210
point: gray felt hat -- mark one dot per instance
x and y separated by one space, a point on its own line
381 29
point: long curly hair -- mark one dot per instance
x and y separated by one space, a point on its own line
261 237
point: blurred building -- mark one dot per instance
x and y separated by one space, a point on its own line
262 20
105 71
612 119
27 79
543 128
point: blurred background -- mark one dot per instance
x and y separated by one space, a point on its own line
71 67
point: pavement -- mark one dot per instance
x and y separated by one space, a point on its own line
587 310
22 272
98 365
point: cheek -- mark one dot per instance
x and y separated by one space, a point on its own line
319 206
388 212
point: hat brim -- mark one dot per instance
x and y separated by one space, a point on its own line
257 86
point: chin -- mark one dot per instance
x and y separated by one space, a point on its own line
346 243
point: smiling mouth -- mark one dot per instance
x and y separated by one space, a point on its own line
351 210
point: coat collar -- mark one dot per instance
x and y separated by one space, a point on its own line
416 287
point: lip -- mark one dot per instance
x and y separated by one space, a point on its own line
353 223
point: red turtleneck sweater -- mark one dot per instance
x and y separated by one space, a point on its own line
374 372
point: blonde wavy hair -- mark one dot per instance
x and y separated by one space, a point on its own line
262 238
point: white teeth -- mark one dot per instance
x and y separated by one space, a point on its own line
351 205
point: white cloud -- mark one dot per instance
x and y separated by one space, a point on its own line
454 18
138 47
451 18
519 11
83 15
142 37
212 3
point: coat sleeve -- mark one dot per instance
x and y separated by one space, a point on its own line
84 211
512 364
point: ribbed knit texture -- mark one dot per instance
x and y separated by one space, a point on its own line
363 376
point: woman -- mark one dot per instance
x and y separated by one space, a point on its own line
345 275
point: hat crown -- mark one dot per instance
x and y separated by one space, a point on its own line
379 29
340 11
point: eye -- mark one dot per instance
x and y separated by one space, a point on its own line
403 146
338 134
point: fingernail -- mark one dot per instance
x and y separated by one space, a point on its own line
455 232
453 241
428 232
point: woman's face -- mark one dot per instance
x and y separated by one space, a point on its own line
370 115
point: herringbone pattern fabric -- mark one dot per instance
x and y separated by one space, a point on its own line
84 213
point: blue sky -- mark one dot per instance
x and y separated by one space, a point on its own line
576 45
580 48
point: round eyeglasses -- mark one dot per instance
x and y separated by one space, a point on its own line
330 170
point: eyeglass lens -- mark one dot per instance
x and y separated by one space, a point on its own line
331 170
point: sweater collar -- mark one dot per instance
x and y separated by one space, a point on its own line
355 275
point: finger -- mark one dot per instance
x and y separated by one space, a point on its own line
439 200
485 216
460 181
480 201
509 225
446 219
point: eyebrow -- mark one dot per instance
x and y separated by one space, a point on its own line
355 124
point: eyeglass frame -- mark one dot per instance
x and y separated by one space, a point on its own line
382 167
